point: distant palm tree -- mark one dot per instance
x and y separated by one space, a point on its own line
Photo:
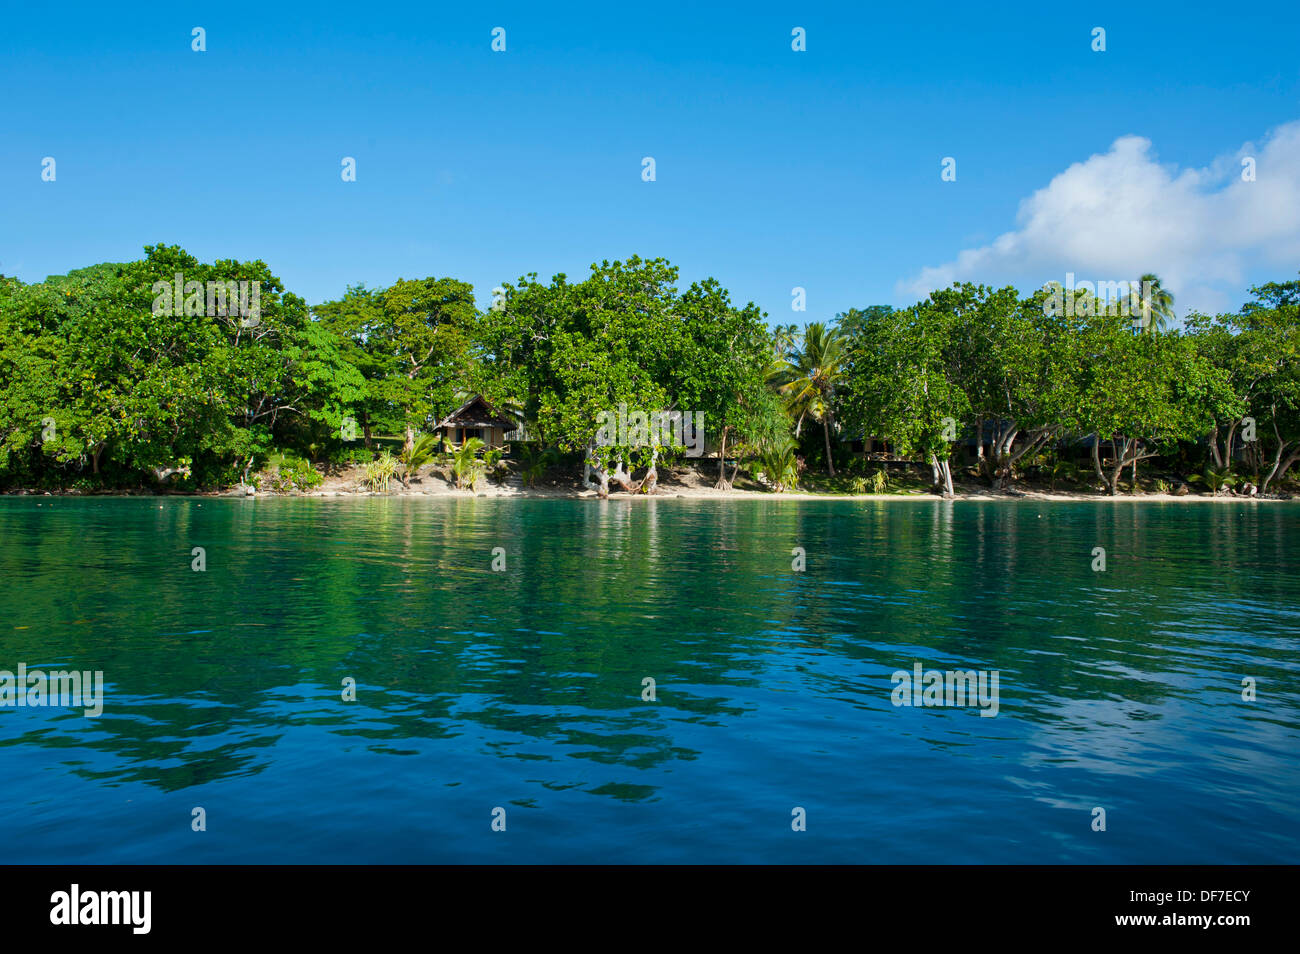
784 338
1157 305
808 378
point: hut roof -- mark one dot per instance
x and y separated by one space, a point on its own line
476 412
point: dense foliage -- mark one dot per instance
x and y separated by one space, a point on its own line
100 387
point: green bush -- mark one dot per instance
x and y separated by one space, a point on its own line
378 473
1216 478
466 464
779 468
535 460
284 472
425 450
353 455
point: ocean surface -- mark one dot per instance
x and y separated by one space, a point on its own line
517 698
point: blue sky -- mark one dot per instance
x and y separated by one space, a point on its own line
775 169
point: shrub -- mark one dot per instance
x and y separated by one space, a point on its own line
779 468
284 472
535 461
466 464
494 464
380 471
1216 478
1058 469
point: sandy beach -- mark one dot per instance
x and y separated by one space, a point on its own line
692 485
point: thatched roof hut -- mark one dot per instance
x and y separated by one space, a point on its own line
476 418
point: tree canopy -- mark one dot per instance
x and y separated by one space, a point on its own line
120 374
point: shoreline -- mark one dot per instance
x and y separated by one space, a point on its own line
662 493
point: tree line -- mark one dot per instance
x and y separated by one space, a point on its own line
1028 377
102 388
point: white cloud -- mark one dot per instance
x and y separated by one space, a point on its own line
1122 213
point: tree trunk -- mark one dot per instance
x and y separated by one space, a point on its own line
1002 441
941 475
621 477
722 483
1117 466
1096 457
1037 440
1227 450
1279 468
591 465
1004 458
651 479
602 480
826 430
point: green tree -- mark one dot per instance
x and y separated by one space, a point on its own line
1005 354
722 371
571 355
425 330
136 386
1141 394
356 320
808 379
1157 305
899 385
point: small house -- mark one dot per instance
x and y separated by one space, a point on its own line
476 418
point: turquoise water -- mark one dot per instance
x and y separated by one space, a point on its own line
522 689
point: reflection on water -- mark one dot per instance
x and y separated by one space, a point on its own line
523 688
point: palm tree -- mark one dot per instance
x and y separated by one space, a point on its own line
466 465
1157 305
779 466
808 378
784 338
421 452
